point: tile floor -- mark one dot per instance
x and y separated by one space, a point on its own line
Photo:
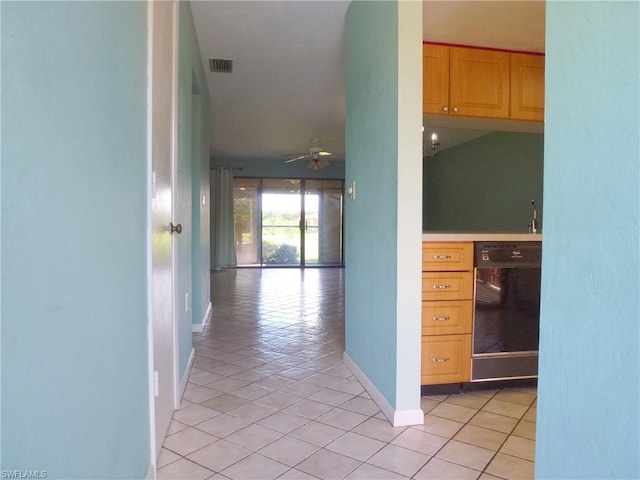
269 397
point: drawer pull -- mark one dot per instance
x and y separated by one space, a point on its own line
440 319
440 287
440 360
441 257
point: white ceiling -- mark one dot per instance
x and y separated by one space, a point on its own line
288 79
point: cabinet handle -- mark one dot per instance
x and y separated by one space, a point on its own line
445 108
440 287
441 257
440 319
440 360
455 109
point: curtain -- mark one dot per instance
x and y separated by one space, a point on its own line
223 243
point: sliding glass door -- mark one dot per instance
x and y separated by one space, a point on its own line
278 225
323 222
281 220
246 216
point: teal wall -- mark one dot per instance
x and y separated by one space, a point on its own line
588 406
371 219
485 185
74 223
278 169
194 110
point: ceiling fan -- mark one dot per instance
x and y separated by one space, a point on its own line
316 155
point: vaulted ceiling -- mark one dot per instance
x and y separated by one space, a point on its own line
287 85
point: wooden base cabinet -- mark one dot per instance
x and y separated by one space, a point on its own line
446 359
447 310
447 285
446 317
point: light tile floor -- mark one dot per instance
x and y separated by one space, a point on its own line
269 397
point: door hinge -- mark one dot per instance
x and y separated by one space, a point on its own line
156 388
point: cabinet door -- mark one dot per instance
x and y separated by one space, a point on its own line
447 286
478 83
527 87
435 79
447 317
446 359
447 256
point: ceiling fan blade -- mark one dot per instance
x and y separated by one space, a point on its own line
324 154
295 158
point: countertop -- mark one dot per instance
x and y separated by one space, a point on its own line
480 237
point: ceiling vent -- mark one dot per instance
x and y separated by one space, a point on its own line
220 65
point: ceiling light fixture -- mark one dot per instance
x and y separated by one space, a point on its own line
317 163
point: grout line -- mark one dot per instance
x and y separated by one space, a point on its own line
468 422
275 336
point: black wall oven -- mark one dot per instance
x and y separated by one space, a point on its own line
506 317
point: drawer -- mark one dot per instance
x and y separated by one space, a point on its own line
447 317
447 286
447 256
446 359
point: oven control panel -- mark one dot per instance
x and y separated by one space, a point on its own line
507 254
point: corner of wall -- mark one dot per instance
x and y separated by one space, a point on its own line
199 327
397 418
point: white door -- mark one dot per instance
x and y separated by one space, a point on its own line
163 148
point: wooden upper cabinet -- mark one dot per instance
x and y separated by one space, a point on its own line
435 79
527 87
478 83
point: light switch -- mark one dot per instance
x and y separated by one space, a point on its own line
352 190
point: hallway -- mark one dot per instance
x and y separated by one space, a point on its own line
269 397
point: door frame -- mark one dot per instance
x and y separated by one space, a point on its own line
177 394
170 159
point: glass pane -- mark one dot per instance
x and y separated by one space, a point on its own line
245 211
311 219
507 310
281 222
323 235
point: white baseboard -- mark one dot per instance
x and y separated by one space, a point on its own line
404 418
151 472
199 327
185 378
398 418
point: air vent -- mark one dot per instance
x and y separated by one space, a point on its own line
220 65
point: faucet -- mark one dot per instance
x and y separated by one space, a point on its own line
533 226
